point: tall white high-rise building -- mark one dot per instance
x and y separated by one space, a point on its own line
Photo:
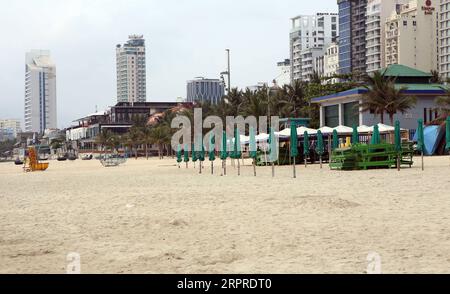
444 38
411 36
40 92
377 13
131 70
284 73
310 31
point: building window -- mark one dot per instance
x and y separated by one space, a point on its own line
351 114
332 116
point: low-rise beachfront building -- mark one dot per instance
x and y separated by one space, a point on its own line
118 119
342 108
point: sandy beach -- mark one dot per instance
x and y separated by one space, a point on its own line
151 217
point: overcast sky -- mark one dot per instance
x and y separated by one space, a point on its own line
184 39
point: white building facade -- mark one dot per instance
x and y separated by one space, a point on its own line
444 38
411 36
310 31
40 92
284 73
377 13
312 63
9 128
131 70
331 63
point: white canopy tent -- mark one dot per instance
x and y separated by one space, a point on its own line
343 130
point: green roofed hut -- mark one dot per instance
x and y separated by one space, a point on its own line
342 108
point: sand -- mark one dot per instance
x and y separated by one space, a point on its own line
151 217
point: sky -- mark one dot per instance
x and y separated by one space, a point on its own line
184 39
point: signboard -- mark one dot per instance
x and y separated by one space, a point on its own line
428 8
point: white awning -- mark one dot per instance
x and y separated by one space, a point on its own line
343 130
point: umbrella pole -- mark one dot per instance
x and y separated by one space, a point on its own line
306 162
254 166
423 167
398 161
187 166
212 167
321 163
273 170
225 167
295 172
239 167
200 167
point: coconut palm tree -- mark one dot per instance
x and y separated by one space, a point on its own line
374 100
160 136
436 77
147 139
253 104
295 98
397 101
103 139
135 136
234 99
383 96
444 102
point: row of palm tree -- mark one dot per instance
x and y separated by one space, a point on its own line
140 134
382 97
287 101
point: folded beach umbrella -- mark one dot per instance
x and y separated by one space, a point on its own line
253 149
320 147
355 135
398 143
273 147
237 144
224 152
179 156
376 139
186 155
447 123
201 155
294 146
306 147
237 149
421 140
252 145
194 154
212 149
294 141
420 136
335 140
398 137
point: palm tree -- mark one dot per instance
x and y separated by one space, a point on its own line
315 78
436 77
147 139
295 97
383 96
103 139
374 100
398 102
234 99
253 104
444 102
135 136
160 136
